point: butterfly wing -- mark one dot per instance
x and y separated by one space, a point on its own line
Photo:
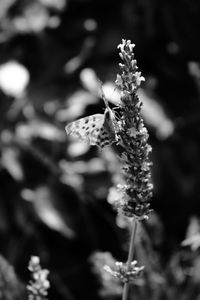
87 128
103 139
96 129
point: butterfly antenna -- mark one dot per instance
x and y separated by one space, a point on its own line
103 95
104 99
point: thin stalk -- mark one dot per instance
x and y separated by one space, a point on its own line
130 257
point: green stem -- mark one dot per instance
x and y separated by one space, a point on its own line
130 258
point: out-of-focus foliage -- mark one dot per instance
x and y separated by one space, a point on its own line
10 287
53 188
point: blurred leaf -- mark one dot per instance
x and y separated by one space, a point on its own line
76 62
193 227
77 104
10 161
4 7
58 4
193 242
77 148
47 210
10 287
155 116
39 128
193 234
90 81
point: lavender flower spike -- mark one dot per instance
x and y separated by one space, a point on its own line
133 139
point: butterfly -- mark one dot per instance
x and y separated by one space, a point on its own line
98 129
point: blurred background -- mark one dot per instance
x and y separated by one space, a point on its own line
53 189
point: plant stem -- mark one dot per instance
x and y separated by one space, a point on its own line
130 257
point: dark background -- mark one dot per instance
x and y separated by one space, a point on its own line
53 189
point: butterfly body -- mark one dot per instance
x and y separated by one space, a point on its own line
98 129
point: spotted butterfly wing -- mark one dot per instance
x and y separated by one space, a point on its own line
97 129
